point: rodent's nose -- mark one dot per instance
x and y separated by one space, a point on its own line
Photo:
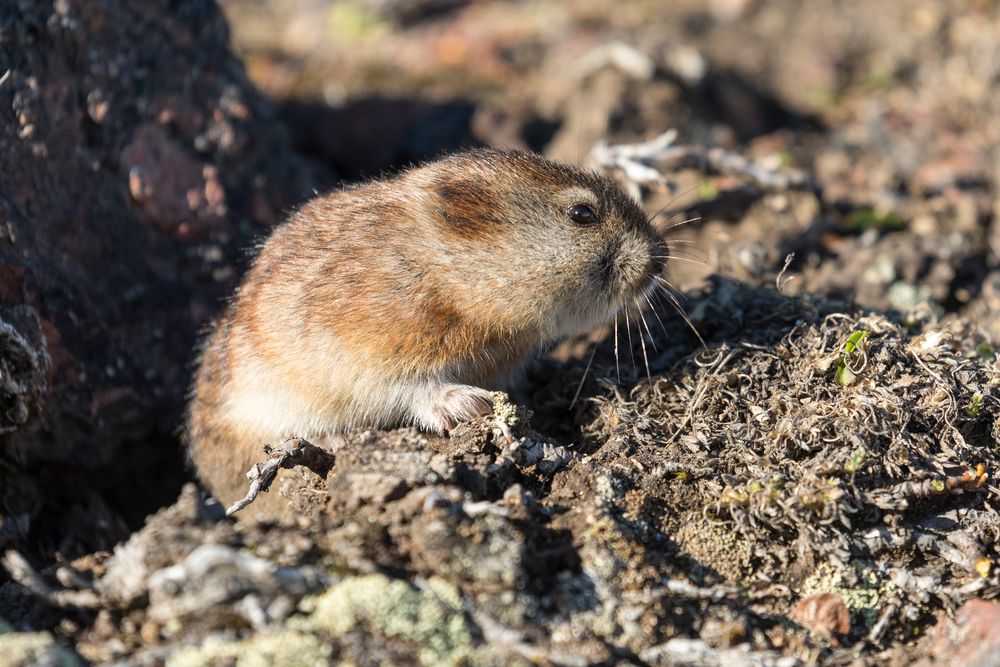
641 261
657 257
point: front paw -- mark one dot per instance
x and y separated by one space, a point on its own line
452 404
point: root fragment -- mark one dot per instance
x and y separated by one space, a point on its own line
898 496
20 570
643 164
292 452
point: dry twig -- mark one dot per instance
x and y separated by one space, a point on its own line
688 590
897 497
781 281
292 452
22 572
643 164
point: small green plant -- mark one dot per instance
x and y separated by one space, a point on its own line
854 463
823 96
879 79
352 21
869 218
975 406
846 372
707 190
985 351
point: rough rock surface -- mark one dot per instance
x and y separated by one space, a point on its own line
971 639
138 164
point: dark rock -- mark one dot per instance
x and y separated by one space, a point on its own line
971 639
137 163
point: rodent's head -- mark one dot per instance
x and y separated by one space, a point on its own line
542 243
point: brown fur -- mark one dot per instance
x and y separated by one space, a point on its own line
394 301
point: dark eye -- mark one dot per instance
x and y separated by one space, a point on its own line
582 214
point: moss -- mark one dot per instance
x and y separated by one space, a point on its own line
433 619
718 546
25 649
288 649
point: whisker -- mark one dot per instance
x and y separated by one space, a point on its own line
617 366
646 324
658 318
672 200
687 250
652 219
675 225
628 329
675 258
645 356
686 319
690 251
586 370
665 284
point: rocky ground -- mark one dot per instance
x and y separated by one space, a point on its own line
790 461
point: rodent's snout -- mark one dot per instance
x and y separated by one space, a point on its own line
637 262
657 257
656 262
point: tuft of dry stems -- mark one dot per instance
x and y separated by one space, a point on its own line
644 164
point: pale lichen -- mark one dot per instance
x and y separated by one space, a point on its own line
26 649
506 411
861 596
432 617
286 648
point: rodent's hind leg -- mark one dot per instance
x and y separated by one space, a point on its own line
441 407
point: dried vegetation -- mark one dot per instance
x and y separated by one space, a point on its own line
686 517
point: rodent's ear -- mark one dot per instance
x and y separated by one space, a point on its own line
467 208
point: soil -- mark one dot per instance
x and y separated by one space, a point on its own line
788 459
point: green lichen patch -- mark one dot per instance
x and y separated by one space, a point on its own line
504 410
431 617
27 649
861 589
288 649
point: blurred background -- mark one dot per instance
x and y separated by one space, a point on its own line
892 107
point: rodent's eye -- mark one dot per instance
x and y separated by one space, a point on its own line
582 214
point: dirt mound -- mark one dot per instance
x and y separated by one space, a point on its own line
693 509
